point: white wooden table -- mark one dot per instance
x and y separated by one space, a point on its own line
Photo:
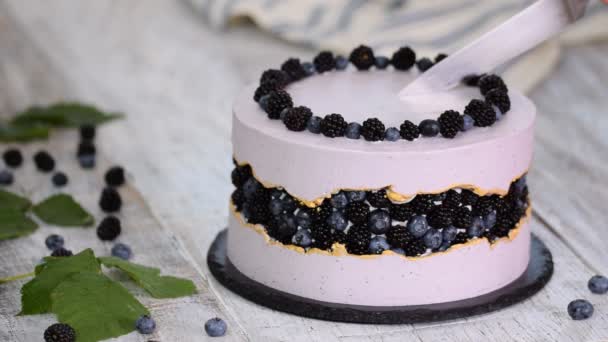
176 79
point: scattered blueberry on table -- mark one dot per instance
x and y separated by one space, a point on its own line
6 177
120 250
145 325
54 242
215 327
598 284
580 309
59 179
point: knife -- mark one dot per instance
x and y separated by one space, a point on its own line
525 30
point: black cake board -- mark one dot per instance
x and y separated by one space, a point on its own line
538 273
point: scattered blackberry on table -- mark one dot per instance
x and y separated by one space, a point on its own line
61 252
422 204
580 309
432 238
337 221
468 197
399 236
314 125
372 129
87 161
378 244
357 212
460 238
263 90
424 64
378 199
274 77
109 228
277 101
353 131
598 284
324 61
379 221
87 132
44 162
382 62
428 128
59 179
297 118
302 238
86 147
12 158
417 226
392 134
59 332
240 175
6 177
467 122
122 251
450 123
294 69
482 113
462 218
358 239
401 211
471 80
362 57
500 99
409 130
491 82
404 58
145 324
414 248
440 57
215 327
341 63
115 176
440 217
110 200
333 125
54 242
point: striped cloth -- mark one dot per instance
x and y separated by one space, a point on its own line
428 26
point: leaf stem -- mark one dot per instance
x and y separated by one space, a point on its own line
17 277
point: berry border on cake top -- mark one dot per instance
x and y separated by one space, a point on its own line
273 98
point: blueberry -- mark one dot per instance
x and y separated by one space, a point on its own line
580 309
467 122
339 200
417 226
263 102
275 206
6 177
444 246
424 64
392 134
303 218
289 205
353 131
497 112
341 63
337 221
54 242
398 251
287 225
519 204
432 238
302 238
598 284
283 113
145 325
120 250
356 196
314 125
87 161
378 245
490 220
379 221
519 185
309 68
59 179
381 62
476 228
429 128
449 234
250 187
276 194
215 327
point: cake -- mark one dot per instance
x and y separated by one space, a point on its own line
344 194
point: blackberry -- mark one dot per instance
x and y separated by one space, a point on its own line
87 132
378 199
59 179
462 218
468 197
460 238
322 236
500 99
424 64
263 90
44 162
324 61
440 57
333 125
398 236
61 252
401 212
294 69
482 113
409 130
110 200
422 204
59 332
450 123
472 80
86 147
322 212
414 248
404 58
483 206
259 212
109 228
440 217
115 176
277 101
373 129
12 158
240 175
297 118
362 58
277 78
238 199
357 212
452 199
490 82
358 239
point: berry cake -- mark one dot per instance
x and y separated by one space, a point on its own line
344 194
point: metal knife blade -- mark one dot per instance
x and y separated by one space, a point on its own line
523 31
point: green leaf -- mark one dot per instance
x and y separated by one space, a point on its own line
13 132
63 115
9 200
63 210
96 307
150 279
36 294
14 223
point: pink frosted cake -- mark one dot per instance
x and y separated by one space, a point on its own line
381 203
